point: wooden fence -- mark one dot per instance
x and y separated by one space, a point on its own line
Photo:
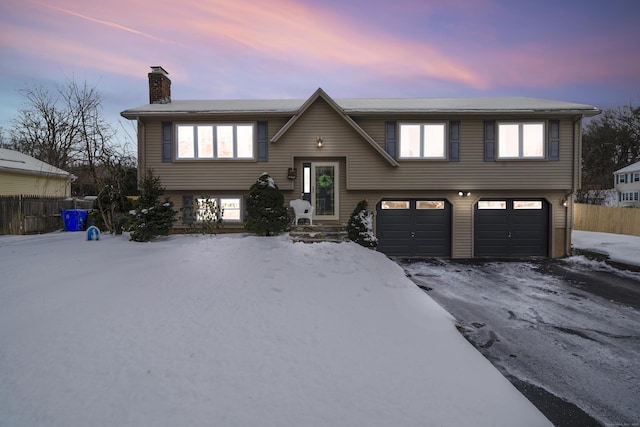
607 219
33 214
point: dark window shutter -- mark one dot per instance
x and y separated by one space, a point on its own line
263 142
187 209
454 141
167 137
390 138
554 140
489 141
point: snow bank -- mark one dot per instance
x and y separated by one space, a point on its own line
232 331
619 247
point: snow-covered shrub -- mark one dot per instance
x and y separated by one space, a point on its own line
266 213
152 217
204 215
360 226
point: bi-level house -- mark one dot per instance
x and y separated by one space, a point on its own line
461 178
627 185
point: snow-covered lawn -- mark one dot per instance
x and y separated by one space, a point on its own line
619 247
232 331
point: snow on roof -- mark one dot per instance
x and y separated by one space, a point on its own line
368 105
631 168
464 105
17 162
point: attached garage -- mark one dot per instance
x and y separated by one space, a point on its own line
414 227
511 228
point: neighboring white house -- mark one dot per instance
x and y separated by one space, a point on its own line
627 185
21 174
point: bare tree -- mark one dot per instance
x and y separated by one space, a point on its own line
66 128
45 128
610 142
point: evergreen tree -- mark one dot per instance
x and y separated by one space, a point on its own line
360 226
152 217
266 213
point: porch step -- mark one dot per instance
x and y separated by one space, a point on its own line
318 233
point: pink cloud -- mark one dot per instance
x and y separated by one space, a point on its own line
126 37
103 22
50 47
299 33
283 31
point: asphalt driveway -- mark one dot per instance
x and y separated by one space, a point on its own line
565 332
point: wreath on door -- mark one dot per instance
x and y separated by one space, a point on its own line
325 181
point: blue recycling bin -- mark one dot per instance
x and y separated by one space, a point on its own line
74 219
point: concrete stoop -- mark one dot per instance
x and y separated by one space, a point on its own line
318 233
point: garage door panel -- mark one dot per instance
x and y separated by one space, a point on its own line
493 220
512 232
414 232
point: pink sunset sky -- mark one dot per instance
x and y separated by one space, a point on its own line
582 51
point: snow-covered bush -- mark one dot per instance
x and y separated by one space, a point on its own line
266 213
360 226
204 215
152 217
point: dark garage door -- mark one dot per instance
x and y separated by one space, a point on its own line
416 228
511 228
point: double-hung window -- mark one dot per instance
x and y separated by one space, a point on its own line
520 140
423 141
219 141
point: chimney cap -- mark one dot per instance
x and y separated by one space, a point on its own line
158 70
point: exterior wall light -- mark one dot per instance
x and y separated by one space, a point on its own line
464 193
319 142
564 202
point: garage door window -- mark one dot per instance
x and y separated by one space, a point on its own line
492 204
527 204
395 204
430 204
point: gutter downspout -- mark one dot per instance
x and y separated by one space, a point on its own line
142 137
577 179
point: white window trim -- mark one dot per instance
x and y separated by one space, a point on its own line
196 156
422 155
520 155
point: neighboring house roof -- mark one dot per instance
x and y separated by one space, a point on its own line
17 162
513 105
631 168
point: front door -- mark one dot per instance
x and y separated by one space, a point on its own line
324 190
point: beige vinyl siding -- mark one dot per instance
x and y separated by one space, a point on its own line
208 175
13 184
365 174
471 172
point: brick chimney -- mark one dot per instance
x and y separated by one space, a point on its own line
159 86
